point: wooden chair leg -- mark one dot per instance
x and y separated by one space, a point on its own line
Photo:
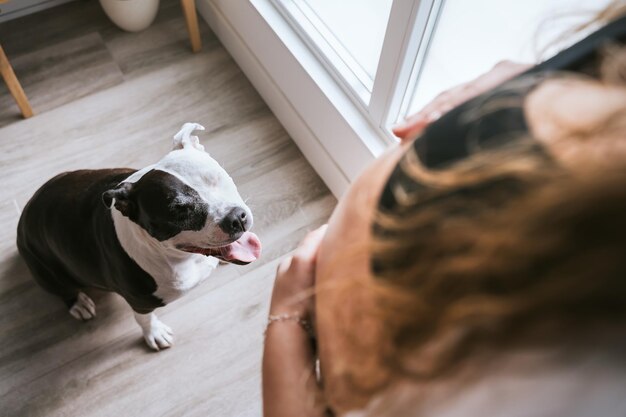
14 85
189 9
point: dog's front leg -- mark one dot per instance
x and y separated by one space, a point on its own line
157 335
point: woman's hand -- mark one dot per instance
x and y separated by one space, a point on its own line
295 279
444 102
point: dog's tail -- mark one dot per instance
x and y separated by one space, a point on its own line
184 139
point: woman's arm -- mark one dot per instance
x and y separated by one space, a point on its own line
289 384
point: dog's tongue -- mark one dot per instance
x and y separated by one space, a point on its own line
244 250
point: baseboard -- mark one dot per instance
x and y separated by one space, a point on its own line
18 8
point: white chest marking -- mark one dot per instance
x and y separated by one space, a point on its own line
174 271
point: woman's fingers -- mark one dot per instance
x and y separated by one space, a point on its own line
439 106
501 72
455 96
295 278
414 125
283 266
307 250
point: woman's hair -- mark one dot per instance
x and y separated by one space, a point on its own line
504 249
508 250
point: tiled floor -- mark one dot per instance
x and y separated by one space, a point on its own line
105 98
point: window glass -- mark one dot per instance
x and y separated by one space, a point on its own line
359 26
472 36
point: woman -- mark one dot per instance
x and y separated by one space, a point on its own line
479 269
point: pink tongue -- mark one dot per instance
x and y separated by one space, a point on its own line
245 249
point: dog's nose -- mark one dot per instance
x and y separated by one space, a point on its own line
235 221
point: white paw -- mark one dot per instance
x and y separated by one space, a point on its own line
158 335
84 308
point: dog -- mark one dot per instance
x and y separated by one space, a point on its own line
149 235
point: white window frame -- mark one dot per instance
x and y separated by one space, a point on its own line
337 131
411 26
327 48
384 100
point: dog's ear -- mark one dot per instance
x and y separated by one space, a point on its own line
184 139
121 194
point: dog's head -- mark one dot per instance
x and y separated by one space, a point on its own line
187 201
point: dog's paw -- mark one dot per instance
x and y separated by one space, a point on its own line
159 335
84 308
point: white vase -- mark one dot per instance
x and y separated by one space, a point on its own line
131 15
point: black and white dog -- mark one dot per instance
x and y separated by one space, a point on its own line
158 234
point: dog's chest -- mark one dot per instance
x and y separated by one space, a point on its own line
174 272
183 276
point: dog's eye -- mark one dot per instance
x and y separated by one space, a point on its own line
181 217
179 209
182 208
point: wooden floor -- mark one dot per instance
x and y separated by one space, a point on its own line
105 98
